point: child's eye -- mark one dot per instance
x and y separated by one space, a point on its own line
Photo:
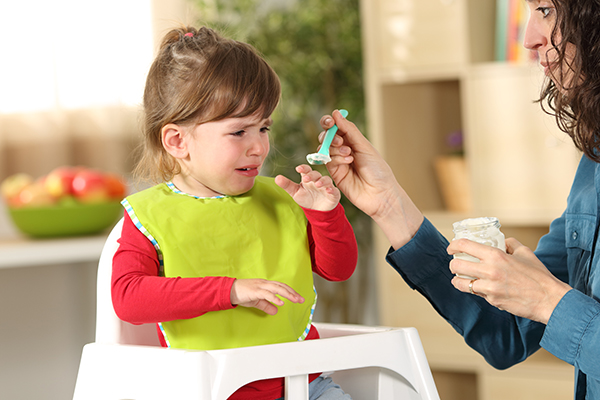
238 133
265 129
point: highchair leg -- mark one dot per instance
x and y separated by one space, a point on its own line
296 387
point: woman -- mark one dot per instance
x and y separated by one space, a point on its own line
521 300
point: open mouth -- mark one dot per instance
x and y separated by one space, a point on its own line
248 171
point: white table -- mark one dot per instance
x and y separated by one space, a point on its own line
47 311
17 250
20 251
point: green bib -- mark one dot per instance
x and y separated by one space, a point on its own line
258 235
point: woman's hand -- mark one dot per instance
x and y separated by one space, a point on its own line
357 168
367 180
515 281
262 294
314 191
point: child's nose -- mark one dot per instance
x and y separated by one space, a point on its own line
259 147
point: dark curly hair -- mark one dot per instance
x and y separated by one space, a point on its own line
575 101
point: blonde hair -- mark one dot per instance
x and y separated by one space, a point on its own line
199 76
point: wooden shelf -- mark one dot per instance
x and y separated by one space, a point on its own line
392 76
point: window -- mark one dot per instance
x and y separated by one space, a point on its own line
69 54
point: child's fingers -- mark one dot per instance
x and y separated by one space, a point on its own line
324 181
270 296
267 307
285 291
309 175
286 184
303 169
283 182
246 291
267 298
312 176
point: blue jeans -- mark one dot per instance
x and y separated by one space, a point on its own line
323 388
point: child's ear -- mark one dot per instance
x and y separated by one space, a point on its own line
173 140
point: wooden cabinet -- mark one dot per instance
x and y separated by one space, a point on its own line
521 164
429 71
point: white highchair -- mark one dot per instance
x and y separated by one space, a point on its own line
126 361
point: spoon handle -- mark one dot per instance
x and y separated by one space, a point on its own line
330 135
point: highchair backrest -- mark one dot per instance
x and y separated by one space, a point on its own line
109 328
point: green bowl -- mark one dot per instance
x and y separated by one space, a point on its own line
66 219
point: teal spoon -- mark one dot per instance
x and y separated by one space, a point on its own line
322 157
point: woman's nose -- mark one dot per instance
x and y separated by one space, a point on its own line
535 37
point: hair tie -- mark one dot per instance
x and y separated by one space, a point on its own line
189 34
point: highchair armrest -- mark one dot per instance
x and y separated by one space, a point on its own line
132 372
391 358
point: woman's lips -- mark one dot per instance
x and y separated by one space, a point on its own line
548 67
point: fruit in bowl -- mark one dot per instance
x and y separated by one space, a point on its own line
68 201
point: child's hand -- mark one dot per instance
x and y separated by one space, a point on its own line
262 294
314 191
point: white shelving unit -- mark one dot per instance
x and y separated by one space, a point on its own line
429 71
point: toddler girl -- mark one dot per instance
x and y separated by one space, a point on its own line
216 255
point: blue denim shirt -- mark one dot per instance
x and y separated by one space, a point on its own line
568 251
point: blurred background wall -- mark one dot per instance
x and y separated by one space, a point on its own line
71 83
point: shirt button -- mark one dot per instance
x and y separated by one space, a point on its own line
574 235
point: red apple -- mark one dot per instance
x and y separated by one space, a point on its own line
59 182
89 186
12 186
116 186
35 195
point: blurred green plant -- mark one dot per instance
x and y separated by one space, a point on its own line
315 48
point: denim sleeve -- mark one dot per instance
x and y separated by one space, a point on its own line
501 338
573 332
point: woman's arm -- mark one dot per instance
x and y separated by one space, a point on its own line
419 251
573 332
500 337
419 254
516 281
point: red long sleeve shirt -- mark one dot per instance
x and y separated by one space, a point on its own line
141 296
